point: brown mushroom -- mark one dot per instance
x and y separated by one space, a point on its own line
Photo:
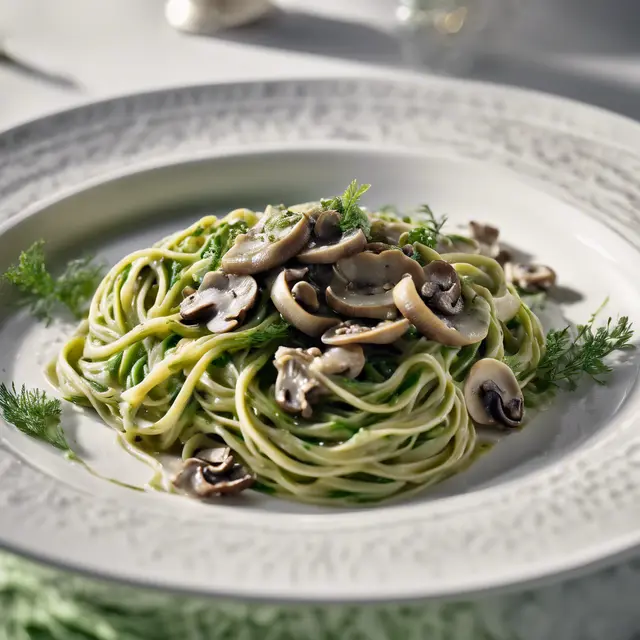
212 473
487 237
362 285
278 237
468 325
305 295
291 308
296 387
222 301
352 332
347 360
493 395
530 277
442 291
328 243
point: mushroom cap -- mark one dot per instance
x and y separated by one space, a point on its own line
479 395
269 243
442 290
292 311
530 277
305 295
201 479
486 238
295 384
352 332
347 360
362 286
327 252
469 326
222 301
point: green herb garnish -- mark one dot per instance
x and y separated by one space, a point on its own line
279 330
41 292
221 241
428 231
282 220
432 223
423 236
34 413
352 216
567 359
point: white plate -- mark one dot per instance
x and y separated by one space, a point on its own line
117 175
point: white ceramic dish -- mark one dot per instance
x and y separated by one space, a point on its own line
114 176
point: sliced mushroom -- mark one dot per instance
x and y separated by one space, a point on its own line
328 243
296 387
291 309
213 473
378 247
468 326
352 332
442 291
487 238
278 237
222 301
306 295
492 394
347 360
362 286
530 277
219 459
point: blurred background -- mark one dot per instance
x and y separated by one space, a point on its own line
59 53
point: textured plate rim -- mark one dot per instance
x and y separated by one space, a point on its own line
587 111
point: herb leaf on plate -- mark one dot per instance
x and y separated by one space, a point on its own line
34 413
41 292
567 359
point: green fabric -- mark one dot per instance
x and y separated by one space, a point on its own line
38 603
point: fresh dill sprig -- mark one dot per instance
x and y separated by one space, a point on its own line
34 413
567 359
431 222
77 284
41 292
352 216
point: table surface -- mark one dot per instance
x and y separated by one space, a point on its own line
583 49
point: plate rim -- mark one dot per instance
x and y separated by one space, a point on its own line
494 89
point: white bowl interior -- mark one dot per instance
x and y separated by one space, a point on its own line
117 216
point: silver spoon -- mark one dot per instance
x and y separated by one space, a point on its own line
205 17
16 61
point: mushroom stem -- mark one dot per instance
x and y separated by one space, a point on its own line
509 414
